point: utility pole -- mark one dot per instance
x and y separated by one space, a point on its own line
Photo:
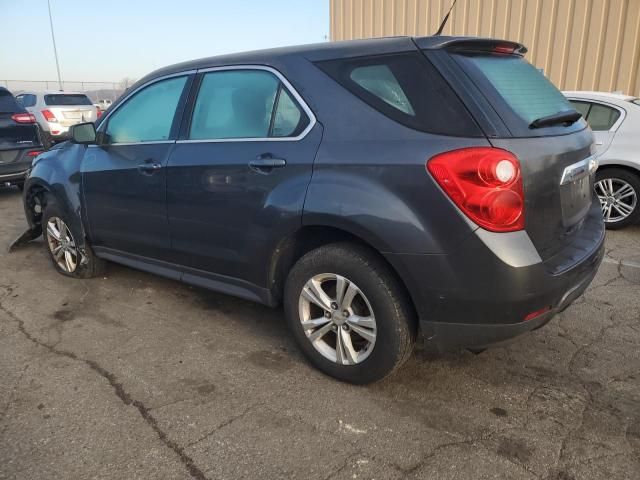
55 50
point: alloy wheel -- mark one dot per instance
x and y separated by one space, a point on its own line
62 245
337 318
617 198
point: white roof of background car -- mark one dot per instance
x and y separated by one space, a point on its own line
50 92
600 95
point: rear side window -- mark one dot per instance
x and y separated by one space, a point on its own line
244 104
66 99
26 100
406 88
525 89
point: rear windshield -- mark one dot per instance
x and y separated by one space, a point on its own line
514 82
8 104
406 88
60 99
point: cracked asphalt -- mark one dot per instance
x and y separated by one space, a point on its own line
134 376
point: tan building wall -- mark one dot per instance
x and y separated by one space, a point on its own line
580 44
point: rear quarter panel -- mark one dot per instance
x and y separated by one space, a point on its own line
370 176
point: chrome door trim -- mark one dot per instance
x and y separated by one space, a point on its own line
578 170
154 142
292 91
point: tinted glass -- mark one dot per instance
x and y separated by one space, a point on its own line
601 117
525 89
380 80
406 88
288 120
234 104
582 107
148 115
63 99
8 103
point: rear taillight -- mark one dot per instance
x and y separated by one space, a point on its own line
98 112
23 118
485 183
34 153
48 116
536 314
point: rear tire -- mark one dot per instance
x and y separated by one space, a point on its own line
46 139
369 329
619 193
61 248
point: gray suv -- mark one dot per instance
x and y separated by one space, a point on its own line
57 111
377 189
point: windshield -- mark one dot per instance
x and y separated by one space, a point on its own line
59 99
522 86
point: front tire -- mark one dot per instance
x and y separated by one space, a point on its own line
62 248
619 193
349 314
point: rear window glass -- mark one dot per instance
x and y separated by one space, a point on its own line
522 86
406 88
8 104
60 99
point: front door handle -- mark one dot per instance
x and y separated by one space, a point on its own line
149 167
266 165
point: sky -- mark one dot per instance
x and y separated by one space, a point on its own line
109 40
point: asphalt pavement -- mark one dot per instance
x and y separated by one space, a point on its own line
131 376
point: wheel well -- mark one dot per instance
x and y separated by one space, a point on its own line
35 201
308 238
629 169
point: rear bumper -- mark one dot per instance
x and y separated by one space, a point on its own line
16 170
473 299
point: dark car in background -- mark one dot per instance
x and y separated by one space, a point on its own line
19 140
375 188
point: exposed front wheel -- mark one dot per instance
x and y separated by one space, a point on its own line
349 314
63 250
618 191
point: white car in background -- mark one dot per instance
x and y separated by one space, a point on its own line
57 111
615 121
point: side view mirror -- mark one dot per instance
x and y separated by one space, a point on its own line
83 133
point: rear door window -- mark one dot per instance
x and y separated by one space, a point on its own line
582 107
599 117
602 117
66 99
237 104
407 88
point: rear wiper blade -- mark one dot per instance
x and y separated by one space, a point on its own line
568 117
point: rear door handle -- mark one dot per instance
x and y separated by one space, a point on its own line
266 165
149 167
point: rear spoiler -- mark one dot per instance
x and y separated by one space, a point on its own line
471 45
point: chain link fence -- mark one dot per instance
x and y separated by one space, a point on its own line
94 90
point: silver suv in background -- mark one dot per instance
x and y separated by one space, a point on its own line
615 121
57 111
